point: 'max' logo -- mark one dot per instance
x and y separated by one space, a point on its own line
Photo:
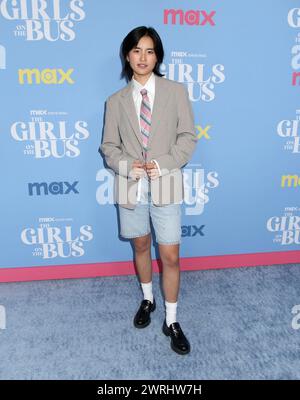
43 188
290 180
47 76
203 131
190 17
191 230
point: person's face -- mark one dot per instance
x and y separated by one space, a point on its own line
142 58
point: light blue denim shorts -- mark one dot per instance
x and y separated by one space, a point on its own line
166 221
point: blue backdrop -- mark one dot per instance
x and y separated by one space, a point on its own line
59 61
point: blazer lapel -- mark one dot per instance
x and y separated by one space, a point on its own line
160 100
130 111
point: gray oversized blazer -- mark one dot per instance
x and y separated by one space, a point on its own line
171 142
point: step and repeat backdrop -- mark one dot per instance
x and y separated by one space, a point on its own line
59 61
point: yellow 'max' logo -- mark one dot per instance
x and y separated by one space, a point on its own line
287 180
48 76
203 131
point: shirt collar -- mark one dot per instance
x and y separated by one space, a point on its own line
149 85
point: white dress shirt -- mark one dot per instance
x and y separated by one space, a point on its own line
143 184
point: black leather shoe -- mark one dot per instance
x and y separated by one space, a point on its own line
179 342
142 317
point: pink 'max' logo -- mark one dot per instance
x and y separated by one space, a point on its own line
190 17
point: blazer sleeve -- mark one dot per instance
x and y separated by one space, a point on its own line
119 161
181 152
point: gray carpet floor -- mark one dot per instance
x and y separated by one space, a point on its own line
238 321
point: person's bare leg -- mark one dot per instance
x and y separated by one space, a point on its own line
169 255
142 252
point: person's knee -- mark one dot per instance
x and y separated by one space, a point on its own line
142 244
170 259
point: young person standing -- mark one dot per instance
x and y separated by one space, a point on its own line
149 136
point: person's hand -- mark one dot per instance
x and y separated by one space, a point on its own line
152 170
137 170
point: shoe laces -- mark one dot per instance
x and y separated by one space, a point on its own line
177 330
146 305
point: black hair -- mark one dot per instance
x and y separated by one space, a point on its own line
132 39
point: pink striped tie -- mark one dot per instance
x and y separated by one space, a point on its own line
145 120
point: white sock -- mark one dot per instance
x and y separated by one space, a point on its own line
147 290
170 313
